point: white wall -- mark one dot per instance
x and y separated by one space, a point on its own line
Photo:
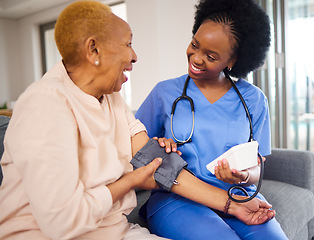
20 59
9 60
161 29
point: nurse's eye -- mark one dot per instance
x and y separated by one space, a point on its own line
211 58
129 44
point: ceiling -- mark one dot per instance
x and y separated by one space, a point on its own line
15 9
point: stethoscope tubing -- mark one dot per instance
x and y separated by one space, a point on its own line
259 185
189 139
173 108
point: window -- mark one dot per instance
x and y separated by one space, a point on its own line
50 53
300 73
288 79
120 10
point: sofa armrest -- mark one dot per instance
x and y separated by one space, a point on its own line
295 167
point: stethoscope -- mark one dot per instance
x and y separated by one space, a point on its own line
189 139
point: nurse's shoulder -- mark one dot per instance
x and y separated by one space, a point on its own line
173 86
249 91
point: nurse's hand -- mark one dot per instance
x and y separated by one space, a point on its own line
168 144
232 176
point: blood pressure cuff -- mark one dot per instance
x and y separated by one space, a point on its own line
168 171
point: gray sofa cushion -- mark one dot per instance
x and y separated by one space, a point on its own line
295 167
4 121
291 166
142 196
289 202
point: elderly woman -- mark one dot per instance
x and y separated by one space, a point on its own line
68 147
70 140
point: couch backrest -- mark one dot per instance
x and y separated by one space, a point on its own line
4 121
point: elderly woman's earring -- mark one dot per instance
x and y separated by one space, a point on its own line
96 62
229 69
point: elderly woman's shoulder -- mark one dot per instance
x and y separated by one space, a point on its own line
51 84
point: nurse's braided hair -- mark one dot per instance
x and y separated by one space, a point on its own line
249 25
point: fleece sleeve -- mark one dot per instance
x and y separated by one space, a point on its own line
135 125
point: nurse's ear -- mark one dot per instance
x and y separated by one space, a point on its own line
231 64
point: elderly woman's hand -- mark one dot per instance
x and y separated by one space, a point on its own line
168 144
143 177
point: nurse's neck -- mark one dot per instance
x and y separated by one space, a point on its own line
218 82
214 89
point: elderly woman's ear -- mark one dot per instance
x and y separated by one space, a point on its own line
92 53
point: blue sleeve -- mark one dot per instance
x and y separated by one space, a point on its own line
150 114
261 126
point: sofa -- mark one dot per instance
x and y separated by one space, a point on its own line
288 184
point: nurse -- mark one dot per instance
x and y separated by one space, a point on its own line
230 38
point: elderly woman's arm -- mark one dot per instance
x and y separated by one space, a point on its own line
141 178
138 141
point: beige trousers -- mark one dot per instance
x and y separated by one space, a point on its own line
136 232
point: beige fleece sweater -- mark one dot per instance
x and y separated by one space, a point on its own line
62 148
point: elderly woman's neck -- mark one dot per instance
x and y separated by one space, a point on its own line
83 78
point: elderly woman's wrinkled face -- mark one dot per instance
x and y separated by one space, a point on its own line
116 57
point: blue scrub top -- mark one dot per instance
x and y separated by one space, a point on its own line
218 126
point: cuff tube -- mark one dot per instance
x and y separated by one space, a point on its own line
170 168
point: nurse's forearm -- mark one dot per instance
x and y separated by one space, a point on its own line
252 212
